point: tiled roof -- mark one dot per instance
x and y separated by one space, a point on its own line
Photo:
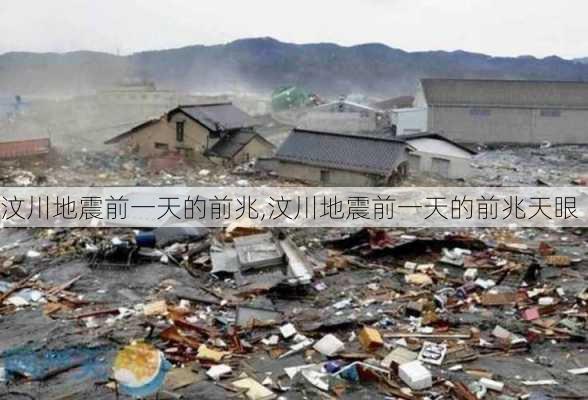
217 117
231 144
348 152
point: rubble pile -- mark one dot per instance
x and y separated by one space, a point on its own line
518 166
531 166
262 314
249 313
81 168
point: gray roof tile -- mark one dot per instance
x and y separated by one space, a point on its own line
231 144
348 152
218 117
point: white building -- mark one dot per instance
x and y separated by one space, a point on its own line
505 111
438 155
344 117
336 159
409 120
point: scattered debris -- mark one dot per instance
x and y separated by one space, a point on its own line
261 312
415 375
492 384
329 345
217 371
370 339
433 353
254 390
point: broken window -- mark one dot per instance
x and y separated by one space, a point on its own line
180 131
550 113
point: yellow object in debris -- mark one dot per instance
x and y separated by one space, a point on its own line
558 261
255 390
419 279
204 353
155 308
370 339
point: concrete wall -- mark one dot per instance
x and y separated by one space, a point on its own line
164 133
459 167
312 174
409 120
419 98
254 149
508 125
338 122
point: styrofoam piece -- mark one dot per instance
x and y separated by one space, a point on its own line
288 331
216 371
492 384
329 345
415 375
470 274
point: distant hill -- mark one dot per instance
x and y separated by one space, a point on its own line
262 64
583 60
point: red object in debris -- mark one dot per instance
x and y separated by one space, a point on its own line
24 148
379 239
545 249
533 337
531 314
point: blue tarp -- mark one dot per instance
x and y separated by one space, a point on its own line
42 364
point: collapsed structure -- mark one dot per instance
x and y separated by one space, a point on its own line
495 314
346 117
220 131
338 159
406 314
436 154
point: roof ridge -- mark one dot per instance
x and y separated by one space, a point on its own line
351 135
504 80
225 103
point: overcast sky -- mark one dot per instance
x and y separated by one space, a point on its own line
496 27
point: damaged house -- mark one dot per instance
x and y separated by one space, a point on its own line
435 154
346 117
337 159
240 147
218 131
